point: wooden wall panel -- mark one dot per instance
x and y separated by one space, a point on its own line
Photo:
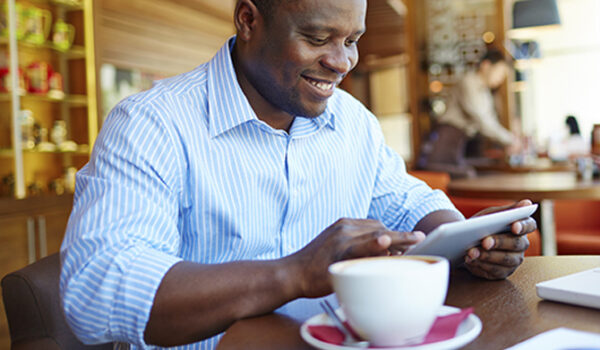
386 30
162 36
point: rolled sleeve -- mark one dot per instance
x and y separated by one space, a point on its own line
122 236
135 294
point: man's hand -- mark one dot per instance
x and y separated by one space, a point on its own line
345 239
499 255
514 147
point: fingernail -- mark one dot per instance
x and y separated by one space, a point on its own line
518 227
488 243
384 240
468 259
474 253
419 235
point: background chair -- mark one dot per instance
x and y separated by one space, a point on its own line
577 226
470 206
35 316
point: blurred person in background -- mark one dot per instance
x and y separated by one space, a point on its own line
471 114
568 143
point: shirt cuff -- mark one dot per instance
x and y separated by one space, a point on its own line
146 269
434 201
425 209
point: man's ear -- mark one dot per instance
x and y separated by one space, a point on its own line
246 17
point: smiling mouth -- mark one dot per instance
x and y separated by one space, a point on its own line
324 86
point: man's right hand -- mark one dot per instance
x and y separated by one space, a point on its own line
345 239
241 289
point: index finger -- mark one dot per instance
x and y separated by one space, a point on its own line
401 241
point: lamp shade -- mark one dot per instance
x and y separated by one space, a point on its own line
535 13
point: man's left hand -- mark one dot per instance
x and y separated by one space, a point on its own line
499 255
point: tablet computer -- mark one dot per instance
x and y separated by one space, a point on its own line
453 239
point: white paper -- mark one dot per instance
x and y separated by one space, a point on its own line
561 339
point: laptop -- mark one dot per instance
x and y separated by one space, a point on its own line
581 288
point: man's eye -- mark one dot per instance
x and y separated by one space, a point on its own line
350 42
317 41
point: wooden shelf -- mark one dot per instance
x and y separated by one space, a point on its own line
68 5
75 52
9 152
73 100
34 205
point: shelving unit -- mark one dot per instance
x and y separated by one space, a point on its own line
34 214
74 100
75 52
446 38
77 107
68 5
9 152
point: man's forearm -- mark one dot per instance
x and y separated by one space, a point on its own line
196 301
435 219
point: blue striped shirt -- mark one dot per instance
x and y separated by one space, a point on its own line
186 171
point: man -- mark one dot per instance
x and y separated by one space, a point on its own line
471 112
226 192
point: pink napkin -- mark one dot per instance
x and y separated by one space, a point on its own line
443 328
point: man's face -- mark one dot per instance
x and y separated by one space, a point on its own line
304 52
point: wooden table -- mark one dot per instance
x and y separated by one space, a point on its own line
541 187
509 309
487 165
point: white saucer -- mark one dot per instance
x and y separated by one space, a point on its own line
468 330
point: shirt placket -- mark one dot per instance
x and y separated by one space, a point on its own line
292 203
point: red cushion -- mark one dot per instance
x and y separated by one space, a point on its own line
577 226
577 215
471 206
436 180
578 242
535 244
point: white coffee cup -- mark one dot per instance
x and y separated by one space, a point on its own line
391 301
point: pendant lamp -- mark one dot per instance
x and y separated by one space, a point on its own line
535 13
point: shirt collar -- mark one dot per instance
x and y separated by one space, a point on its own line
228 106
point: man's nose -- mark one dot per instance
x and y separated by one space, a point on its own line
340 58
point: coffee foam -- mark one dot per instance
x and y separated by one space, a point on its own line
383 266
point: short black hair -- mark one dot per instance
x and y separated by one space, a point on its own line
493 56
571 122
267 7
